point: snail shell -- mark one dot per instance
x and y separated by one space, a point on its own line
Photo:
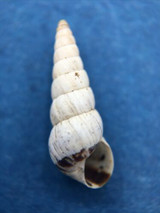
76 142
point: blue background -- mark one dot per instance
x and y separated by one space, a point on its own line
119 43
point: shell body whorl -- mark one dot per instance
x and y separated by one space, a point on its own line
76 141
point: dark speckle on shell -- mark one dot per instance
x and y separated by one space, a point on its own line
66 162
91 149
96 177
70 161
80 155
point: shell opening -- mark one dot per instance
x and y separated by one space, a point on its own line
99 166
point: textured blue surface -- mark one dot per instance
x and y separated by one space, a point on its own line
119 43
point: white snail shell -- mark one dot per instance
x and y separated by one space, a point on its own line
76 142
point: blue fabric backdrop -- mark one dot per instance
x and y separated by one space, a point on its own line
119 43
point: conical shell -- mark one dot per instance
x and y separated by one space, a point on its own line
76 142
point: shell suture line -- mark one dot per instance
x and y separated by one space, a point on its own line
69 92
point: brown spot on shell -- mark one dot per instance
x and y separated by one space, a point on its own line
77 74
80 155
94 176
66 162
102 158
91 149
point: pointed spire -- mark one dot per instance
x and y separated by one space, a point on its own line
62 25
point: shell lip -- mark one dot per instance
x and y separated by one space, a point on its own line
99 165
92 167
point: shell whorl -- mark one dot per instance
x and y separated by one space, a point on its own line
78 126
73 99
